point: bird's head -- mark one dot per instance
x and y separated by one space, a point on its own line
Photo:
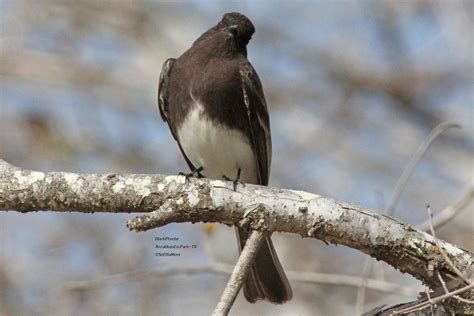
237 26
229 37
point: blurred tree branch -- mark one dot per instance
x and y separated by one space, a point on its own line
226 269
171 199
450 211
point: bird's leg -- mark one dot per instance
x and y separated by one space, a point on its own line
236 180
195 173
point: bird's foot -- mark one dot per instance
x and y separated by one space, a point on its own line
195 173
235 181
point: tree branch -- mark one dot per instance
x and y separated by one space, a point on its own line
202 200
239 274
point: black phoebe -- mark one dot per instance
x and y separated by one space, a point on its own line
212 99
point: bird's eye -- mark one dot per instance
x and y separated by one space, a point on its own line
233 30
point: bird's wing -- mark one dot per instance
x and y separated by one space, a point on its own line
259 121
163 93
163 85
266 279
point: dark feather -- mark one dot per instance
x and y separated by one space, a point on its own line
163 102
163 88
259 121
266 279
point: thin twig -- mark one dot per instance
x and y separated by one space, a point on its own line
401 183
435 300
440 278
240 272
438 130
450 211
441 250
447 294
430 302
464 300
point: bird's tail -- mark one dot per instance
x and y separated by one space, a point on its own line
266 279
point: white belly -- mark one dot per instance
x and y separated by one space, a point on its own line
219 151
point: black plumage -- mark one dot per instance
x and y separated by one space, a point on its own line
213 101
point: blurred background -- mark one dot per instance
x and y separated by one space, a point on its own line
353 88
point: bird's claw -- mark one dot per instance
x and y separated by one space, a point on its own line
195 173
235 181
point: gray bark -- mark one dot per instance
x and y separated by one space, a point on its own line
172 199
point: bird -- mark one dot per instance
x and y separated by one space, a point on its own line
213 102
